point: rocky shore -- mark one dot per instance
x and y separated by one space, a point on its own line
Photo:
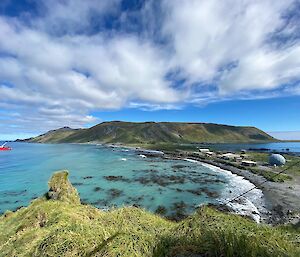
282 199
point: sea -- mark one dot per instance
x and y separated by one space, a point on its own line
108 177
282 147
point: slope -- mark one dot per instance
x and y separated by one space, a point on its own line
156 132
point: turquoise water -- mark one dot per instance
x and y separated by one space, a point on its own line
178 186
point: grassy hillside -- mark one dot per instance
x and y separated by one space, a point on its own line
156 132
58 225
54 136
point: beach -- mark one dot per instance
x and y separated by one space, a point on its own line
278 204
282 199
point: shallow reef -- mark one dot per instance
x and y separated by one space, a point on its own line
58 224
116 178
114 193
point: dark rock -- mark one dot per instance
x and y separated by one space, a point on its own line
212 194
114 193
195 191
5 202
179 212
161 210
136 199
77 184
116 178
179 166
162 180
179 206
97 189
100 202
88 177
278 209
16 193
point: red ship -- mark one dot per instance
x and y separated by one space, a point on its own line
4 148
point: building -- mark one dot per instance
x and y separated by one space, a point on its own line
209 153
249 163
203 150
231 156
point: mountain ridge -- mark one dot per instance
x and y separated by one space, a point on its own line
154 132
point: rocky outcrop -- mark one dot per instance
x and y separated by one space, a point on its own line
61 189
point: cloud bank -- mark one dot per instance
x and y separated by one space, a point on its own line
63 60
286 135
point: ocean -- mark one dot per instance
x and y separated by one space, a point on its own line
107 177
285 147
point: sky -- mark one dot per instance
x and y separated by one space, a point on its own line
77 63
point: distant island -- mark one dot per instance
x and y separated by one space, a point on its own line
155 132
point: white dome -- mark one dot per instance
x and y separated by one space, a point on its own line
277 159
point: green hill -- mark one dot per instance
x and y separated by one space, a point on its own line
57 224
53 136
155 132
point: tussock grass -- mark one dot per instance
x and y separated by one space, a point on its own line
79 230
212 233
62 227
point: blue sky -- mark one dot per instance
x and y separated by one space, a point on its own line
77 63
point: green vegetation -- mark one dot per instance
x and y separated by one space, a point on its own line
61 226
263 159
53 136
155 133
61 189
269 173
168 147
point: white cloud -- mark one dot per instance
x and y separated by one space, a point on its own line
79 73
62 64
227 43
286 135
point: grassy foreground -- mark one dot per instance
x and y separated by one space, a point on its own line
58 225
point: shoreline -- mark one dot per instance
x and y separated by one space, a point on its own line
251 205
282 199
